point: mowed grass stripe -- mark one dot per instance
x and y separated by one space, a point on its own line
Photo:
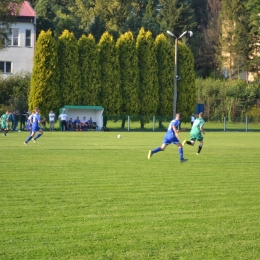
93 196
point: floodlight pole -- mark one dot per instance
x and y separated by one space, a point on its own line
175 79
175 68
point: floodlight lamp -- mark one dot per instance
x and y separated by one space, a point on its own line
190 33
170 33
182 34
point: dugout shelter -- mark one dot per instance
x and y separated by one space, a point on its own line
96 112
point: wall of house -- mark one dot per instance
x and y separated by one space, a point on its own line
21 57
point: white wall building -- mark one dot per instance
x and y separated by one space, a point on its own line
19 52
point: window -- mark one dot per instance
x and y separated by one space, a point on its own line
13 38
5 66
28 38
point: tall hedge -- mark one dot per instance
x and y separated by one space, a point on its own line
165 59
129 74
186 90
148 74
89 68
69 69
45 90
110 95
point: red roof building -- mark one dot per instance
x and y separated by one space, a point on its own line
19 52
26 10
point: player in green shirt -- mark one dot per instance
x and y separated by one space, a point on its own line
4 122
196 132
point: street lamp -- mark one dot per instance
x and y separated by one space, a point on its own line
176 77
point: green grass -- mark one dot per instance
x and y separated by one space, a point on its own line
92 196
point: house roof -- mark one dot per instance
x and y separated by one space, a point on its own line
26 10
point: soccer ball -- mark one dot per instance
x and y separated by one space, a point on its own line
19 131
119 136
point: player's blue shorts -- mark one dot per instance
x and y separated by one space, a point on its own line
170 139
35 128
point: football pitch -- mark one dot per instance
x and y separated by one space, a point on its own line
90 195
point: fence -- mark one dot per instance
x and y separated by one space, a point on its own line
157 123
160 124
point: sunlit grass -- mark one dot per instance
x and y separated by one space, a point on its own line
91 195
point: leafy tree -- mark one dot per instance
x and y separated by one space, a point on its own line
45 16
43 8
148 74
129 74
177 16
68 62
97 28
8 10
186 91
89 68
68 22
165 59
233 99
149 21
57 16
198 43
45 90
110 95
253 8
132 23
109 13
89 22
206 57
235 38
14 92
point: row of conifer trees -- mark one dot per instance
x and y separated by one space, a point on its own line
127 77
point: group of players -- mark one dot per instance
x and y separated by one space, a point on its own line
5 119
34 121
172 137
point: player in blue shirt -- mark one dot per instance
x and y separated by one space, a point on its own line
35 121
171 137
77 124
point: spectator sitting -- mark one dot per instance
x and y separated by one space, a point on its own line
91 125
77 124
70 124
84 124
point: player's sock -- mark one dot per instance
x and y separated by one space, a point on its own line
28 139
180 150
39 135
156 150
189 142
199 148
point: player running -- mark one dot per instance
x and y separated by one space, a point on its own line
4 122
35 121
171 136
196 132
